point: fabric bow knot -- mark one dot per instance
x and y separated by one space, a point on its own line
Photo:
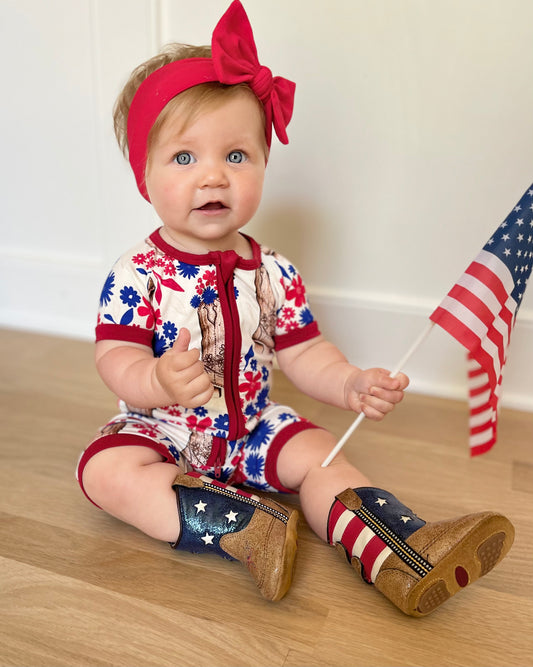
235 60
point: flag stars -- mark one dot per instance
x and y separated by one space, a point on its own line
381 502
200 507
405 519
231 516
207 538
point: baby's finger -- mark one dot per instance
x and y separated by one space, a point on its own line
181 344
373 408
386 395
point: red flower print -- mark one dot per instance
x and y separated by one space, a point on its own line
150 260
296 291
138 259
288 314
252 386
291 326
209 277
170 269
153 317
198 425
144 429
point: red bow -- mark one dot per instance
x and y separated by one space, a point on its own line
235 59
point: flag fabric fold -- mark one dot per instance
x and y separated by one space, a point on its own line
480 312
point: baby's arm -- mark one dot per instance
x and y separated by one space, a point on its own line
133 373
321 371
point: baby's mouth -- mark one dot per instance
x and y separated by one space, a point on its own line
212 206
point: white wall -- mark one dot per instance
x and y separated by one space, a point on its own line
411 140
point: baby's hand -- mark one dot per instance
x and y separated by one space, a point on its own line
374 392
182 375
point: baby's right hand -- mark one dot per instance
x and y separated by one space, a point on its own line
182 375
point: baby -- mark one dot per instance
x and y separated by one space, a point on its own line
189 323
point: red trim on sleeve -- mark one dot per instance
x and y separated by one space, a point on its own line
125 333
296 336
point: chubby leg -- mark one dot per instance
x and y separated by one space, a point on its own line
134 485
417 565
300 468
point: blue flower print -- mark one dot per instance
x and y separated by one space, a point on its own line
188 270
255 464
201 411
260 486
306 316
107 290
286 415
262 399
265 373
236 292
209 295
222 422
170 330
129 296
260 435
175 452
196 301
250 410
159 344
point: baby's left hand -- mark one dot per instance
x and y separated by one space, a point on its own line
374 392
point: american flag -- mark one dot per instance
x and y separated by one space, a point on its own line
480 312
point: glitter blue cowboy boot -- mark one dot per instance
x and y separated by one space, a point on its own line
220 519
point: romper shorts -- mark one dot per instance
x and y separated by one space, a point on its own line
250 460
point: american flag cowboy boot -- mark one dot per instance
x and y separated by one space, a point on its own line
260 533
417 565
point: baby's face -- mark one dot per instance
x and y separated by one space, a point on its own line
205 182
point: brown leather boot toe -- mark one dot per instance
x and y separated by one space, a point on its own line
458 551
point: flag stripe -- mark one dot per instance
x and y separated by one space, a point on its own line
468 338
358 539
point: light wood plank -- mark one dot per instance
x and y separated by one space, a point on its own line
80 588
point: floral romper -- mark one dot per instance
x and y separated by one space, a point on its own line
239 312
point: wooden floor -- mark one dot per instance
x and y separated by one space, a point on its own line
79 588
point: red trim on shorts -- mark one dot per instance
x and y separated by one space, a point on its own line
117 440
281 439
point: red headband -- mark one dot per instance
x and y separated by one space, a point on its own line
233 60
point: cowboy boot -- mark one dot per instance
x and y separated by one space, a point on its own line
417 565
260 533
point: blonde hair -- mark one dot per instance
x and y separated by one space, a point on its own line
189 104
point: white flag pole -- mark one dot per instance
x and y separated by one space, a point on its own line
421 338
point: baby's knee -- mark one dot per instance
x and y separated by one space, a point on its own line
105 477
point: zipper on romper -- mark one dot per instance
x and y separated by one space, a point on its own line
217 456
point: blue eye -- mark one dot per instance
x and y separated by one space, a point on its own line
184 158
236 157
